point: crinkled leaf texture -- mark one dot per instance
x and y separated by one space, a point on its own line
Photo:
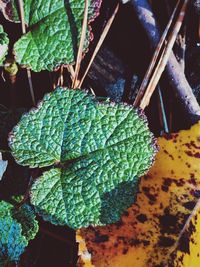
97 151
4 41
17 227
54 31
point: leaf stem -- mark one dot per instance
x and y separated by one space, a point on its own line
162 107
175 75
81 45
186 225
22 17
100 42
155 58
165 57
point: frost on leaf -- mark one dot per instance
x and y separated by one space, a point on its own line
3 166
149 233
17 227
97 151
4 41
54 29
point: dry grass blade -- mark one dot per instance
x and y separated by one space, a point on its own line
102 38
162 63
60 81
71 71
81 46
163 112
22 17
155 58
186 225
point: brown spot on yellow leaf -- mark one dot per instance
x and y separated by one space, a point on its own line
147 234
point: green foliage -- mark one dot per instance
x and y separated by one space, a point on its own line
97 150
17 227
54 31
4 41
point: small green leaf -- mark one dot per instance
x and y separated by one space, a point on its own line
12 242
54 31
4 41
97 149
17 227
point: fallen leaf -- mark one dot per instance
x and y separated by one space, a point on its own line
148 232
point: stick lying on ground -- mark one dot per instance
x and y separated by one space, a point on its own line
174 72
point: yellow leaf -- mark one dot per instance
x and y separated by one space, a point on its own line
148 232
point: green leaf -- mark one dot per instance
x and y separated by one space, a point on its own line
4 41
12 242
97 150
54 31
17 227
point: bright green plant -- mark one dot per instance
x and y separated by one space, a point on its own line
17 227
54 31
94 148
93 152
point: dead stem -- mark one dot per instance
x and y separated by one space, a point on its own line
100 42
186 226
163 112
163 62
81 46
22 17
174 73
155 58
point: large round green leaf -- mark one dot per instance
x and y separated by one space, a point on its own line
97 151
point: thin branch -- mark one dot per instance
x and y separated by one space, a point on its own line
175 75
57 237
81 45
186 225
71 71
163 62
100 42
22 17
155 58
31 86
162 108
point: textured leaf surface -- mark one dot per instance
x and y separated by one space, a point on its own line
99 150
54 31
147 233
4 41
17 227
12 242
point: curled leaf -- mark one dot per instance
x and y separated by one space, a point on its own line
148 232
97 151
